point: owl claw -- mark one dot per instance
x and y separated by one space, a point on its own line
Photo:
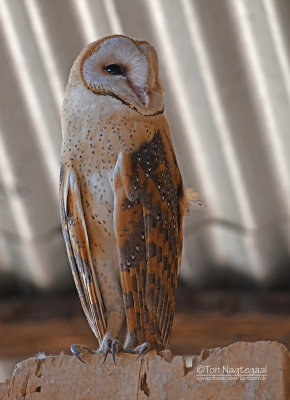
105 348
142 349
115 344
110 345
105 355
76 348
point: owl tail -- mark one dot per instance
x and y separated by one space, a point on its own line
191 200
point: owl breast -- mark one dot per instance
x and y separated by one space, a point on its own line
97 129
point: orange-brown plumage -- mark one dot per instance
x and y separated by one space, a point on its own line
122 197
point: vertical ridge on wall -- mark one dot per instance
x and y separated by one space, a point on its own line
27 83
44 46
226 70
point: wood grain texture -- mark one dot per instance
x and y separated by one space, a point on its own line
155 376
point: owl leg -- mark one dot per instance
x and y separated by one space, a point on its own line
109 282
115 320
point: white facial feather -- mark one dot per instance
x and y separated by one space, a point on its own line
121 51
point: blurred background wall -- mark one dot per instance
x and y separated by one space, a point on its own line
225 66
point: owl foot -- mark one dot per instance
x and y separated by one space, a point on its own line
142 349
77 349
114 346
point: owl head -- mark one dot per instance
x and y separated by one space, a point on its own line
123 68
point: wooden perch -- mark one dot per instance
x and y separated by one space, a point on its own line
156 376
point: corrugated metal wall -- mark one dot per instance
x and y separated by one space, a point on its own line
225 66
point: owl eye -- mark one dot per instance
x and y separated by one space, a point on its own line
115 69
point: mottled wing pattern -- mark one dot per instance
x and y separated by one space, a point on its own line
77 245
149 213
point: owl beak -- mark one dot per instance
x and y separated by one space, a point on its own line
143 94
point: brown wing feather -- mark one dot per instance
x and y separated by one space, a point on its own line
77 244
149 213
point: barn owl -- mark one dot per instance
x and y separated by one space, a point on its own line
121 196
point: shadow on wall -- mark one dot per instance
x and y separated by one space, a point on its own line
226 71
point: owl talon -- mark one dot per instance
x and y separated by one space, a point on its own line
76 348
105 356
115 347
108 345
142 349
105 348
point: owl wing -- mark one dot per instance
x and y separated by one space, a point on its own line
77 245
148 222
